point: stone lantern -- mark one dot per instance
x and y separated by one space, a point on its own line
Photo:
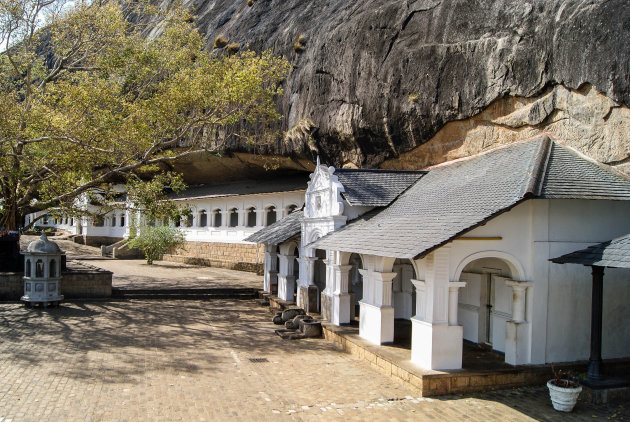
42 272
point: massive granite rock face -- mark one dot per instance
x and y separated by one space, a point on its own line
374 80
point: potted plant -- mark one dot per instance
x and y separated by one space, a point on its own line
564 389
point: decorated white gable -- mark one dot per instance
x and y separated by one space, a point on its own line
323 195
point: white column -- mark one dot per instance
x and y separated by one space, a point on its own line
270 268
376 323
436 339
517 330
242 217
286 279
341 299
453 295
307 288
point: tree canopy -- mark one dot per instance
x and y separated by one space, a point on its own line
86 99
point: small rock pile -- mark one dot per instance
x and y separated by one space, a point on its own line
297 324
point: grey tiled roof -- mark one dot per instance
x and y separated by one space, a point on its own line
456 197
244 187
375 188
614 253
280 231
570 176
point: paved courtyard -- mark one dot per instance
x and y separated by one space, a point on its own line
191 360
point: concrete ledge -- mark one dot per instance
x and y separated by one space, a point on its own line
218 263
80 280
396 363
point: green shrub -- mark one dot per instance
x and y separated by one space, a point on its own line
156 241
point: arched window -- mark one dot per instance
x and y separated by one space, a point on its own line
122 220
233 216
72 221
52 272
27 268
189 221
251 217
113 220
203 218
39 268
45 219
291 208
98 222
270 215
216 218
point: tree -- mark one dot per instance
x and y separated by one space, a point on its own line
156 241
87 100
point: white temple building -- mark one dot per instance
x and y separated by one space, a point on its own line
222 216
461 250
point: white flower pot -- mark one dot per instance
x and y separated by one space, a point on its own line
563 399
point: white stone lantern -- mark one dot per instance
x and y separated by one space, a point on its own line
42 272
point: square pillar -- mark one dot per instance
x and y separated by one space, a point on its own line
517 330
376 323
337 299
436 339
307 291
270 280
286 279
286 287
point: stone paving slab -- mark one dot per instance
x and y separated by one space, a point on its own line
174 360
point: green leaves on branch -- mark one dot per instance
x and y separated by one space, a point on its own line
105 101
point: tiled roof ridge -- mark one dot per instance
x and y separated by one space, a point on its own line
482 153
538 167
606 167
350 170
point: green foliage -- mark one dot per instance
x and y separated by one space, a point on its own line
107 102
156 241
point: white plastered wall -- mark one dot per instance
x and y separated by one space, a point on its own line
558 302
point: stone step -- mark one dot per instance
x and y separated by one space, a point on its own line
185 294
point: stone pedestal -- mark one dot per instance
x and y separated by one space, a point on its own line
436 346
376 323
286 287
307 296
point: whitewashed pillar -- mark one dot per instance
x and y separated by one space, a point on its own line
376 323
242 218
271 270
453 295
436 339
286 279
307 291
517 330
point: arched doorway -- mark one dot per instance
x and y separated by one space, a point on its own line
485 303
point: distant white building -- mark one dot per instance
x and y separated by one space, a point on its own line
461 251
222 216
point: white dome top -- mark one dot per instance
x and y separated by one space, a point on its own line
43 246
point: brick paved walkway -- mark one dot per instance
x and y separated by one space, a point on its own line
190 360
